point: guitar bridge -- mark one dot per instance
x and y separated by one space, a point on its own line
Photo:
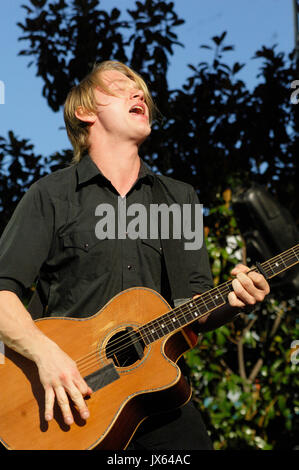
102 377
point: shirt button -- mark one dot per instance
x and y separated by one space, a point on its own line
129 266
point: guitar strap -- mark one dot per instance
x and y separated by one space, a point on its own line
172 250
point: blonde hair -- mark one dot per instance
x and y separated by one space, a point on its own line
83 95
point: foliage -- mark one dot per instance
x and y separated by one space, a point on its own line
216 134
243 379
19 168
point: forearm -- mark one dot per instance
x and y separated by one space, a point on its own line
217 318
58 373
17 329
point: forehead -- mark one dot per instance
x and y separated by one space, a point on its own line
110 76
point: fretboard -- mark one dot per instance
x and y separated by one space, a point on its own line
196 308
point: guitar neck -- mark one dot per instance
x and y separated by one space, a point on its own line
195 309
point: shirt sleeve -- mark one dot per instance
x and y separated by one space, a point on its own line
26 241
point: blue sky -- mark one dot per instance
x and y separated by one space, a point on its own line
249 25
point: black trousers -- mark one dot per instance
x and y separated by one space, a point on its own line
181 429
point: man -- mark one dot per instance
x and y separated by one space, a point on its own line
51 238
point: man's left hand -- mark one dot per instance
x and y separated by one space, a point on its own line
249 287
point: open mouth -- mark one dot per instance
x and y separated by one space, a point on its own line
138 109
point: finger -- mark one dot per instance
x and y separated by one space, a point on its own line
49 403
82 386
64 405
234 301
259 282
239 268
244 294
78 400
255 284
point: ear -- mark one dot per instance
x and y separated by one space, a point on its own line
86 116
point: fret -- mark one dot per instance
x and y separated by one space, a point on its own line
195 312
215 302
172 321
275 267
154 330
281 262
186 313
159 326
178 317
193 309
271 269
145 331
164 327
218 297
189 314
295 253
202 299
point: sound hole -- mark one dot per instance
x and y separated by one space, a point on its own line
125 347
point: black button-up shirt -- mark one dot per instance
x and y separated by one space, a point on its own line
51 237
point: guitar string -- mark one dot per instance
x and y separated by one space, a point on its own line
95 356
223 287
185 308
167 323
123 347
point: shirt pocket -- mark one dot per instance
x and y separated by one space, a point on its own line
84 256
152 246
84 240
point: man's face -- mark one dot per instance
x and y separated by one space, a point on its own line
124 116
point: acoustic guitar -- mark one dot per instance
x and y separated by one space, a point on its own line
127 352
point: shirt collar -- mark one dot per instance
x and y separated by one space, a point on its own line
87 170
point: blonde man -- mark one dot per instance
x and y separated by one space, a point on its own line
51 238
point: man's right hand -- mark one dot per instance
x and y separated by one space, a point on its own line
62 381
58 373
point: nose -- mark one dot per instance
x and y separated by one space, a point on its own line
137 93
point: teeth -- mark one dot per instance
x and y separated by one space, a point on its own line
139 109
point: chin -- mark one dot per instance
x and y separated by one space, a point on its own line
143 135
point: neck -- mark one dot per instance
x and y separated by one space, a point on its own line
118 161
211 300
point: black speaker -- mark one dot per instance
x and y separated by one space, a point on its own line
268 228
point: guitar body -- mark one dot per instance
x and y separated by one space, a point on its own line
144 382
